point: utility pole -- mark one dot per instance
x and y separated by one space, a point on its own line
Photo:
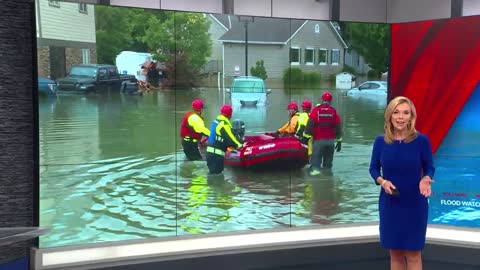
246 48
246 20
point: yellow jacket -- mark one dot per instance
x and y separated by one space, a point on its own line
221 136
302 123
198 125
289 127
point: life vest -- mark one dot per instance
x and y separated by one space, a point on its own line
213 132
186 131
324 119
221 136
301 124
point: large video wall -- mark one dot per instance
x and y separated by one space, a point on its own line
435 63
112 165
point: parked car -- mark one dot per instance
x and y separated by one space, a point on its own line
369 89
46 87
95 78
248 91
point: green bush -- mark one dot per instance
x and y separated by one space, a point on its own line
313 77
307 77
293 76
259 70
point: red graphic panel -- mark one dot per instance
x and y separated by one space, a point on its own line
437 65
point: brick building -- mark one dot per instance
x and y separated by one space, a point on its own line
65 36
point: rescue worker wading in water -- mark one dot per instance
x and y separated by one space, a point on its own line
192 130
325 128
221 137
289 127
301 125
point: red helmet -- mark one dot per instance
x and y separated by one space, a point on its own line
327 97
306 105
292 105
226 110
197 105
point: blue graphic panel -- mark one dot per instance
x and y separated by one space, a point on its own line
456 199
20 264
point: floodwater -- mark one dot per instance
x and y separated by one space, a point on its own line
112 169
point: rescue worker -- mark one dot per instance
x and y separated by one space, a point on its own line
192 129
302 123
289 127
325 127
221 137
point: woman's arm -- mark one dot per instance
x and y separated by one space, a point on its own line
425 185
375 161
427 158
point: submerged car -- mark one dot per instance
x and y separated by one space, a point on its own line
370 89
46 87
248 91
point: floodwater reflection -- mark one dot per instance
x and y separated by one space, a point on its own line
112 169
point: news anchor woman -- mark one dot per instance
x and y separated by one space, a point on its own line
402 164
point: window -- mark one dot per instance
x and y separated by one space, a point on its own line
82 8
248 87
367 86
86 56
322 57
53 3
112 72
309 56
102 73
335 57
83 71
295 56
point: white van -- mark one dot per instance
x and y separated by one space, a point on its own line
130 63
248 91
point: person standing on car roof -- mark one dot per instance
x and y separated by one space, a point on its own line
192 130
325 127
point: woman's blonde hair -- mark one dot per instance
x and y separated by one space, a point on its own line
388 126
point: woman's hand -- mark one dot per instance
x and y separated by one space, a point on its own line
387 186
425 186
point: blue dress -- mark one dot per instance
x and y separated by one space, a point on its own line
403 219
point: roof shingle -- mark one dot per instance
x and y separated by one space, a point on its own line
263 30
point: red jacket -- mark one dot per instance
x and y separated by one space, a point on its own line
187 131
324 123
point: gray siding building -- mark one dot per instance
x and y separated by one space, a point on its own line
219 25
282 43
356 61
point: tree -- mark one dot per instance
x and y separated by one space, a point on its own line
138 25
180 38
259 70
371 41
180 74
112 35
172 37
